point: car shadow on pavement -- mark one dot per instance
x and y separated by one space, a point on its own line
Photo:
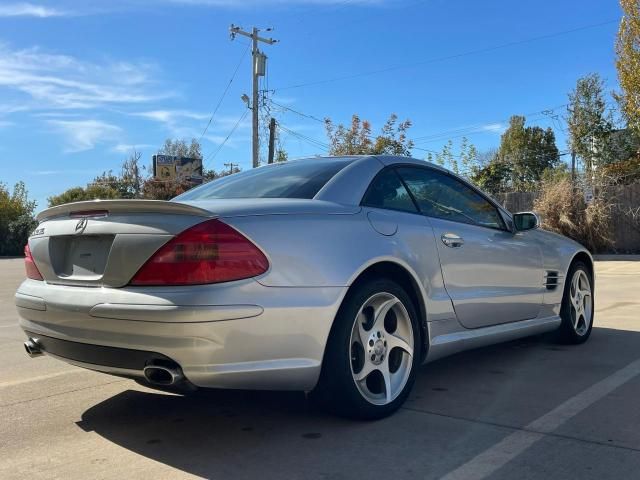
460 406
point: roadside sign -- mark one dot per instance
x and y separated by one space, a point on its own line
588 194
185 169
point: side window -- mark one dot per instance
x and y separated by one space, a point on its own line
387 191
442 196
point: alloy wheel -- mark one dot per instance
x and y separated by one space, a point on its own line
581 302
382 348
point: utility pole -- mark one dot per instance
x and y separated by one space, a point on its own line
272 138
573 167
258 66
231 165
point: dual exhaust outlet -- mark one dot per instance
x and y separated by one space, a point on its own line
155 374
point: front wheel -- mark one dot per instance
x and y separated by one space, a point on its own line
372 353
577 305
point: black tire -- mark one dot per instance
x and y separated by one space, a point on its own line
567 332
337 388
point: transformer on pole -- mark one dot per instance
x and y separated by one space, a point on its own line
258 69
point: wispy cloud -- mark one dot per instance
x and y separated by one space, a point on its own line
190 124
65 82
24 9
100 7
171 116
68 171
128 147
494 127
84 135
253 3
179 123
12 108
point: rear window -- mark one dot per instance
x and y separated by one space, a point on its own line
296 179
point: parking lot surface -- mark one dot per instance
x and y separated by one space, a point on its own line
525 409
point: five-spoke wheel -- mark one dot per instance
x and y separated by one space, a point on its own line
373 351
381 348
577 305
581 304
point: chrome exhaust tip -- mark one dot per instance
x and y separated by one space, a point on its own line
32 348
159 375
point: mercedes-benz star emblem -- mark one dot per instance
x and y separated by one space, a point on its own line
81 225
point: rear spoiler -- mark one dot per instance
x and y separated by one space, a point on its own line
122 206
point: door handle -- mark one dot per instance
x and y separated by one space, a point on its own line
452 240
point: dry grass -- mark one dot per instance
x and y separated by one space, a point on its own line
563 210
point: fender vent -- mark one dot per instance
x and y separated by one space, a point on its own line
552 279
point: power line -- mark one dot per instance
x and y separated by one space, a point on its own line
448 57
224 94
305 115
461 132
478 127
309 140
214 154
424 149
543 114
231 166
312 141
311 117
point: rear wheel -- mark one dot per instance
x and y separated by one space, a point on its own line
577 305
372 353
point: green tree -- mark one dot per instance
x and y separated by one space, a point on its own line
493 177
94 191
468 156
628 62
281 156
526 152
590 124
462 163
357 138
132 182
446 159
214 174
16 218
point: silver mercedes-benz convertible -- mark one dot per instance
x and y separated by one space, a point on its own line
339 276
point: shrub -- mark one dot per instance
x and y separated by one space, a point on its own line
156 190
77 194
564 210
16 219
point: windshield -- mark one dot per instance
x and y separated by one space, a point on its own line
296 179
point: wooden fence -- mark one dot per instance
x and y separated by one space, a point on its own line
625 220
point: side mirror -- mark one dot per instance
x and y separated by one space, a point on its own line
525 221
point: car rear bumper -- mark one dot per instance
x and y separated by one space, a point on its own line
216 337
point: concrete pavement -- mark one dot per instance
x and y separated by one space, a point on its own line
525 409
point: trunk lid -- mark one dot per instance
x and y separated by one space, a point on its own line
104 243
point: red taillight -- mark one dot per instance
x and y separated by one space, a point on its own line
210 252
30 266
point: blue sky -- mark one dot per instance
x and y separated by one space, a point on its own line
83 82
